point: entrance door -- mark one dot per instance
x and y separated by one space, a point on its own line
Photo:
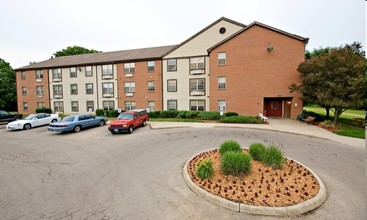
273 107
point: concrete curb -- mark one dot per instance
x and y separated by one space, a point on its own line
293 210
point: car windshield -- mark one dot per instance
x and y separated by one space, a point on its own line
30 117
68 118
125 116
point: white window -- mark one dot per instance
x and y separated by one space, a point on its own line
40 91
171 65
73 73
90 106
57 90
23 75
151 86
40 104
108 105
172 85
74 106
130 105
74 89
151 105
197 105
171 104
39 75
129 68
89 88
107 89
107 71
25 106
56 75
88 71
151 65
129 87
197 87
59 106
222 58
222 82
24 91
197 63
222 106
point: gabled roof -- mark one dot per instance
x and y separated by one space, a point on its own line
297 37
203 30
99 58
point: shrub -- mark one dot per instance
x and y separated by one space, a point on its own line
192 114
235 163
169 114
256 150
230 146
43 110
209 115
241 119
99 112
205 169
112 113
229 114
273 157
182 114
155 114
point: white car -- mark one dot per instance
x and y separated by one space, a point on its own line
33 120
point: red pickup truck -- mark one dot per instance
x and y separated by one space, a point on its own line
128 121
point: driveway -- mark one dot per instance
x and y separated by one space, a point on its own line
96 175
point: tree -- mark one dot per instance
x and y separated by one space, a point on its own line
335 79
74 50
8 91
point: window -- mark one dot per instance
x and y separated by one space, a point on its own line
39 75
222 58
59 106
88 71
129 68
108 105
107 90
171 65
221 82
73 73
89 88
151 105
151 65
40 104
197 105
74 89
56 75
24 91
40 91
90 106
129 87
221 106
197 63
197 87
171 104
57 90
172 85
23 75
25 106
129 105
107 71
74 106
151 86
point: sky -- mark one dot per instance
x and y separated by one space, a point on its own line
32 31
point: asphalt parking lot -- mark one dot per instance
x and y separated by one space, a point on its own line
96 175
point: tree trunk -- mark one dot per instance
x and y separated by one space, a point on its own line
327 112
337 113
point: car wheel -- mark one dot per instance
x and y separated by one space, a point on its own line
77 128
102 122
131 129
54 120
27 126
144 123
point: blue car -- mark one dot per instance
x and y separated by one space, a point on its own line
76 123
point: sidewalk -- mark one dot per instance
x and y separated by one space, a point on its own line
281 125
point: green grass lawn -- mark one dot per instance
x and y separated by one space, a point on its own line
347 124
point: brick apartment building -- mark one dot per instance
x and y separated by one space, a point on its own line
227 66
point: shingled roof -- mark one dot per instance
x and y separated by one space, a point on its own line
151 53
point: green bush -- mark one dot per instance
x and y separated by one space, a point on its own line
205 169
112 113
192 114
169 114
229 114
241 119
235 163
209 115
99 112
256 151
43 110
229 146
273 157
182 114
155 114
